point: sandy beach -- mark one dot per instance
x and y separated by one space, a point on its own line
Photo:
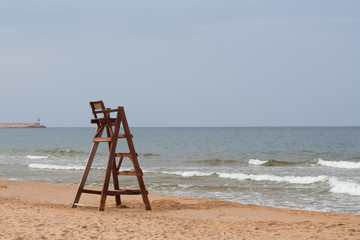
39 210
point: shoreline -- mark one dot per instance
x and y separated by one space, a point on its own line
33 210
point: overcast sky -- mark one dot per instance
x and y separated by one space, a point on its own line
181 63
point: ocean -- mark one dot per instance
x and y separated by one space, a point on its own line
307 168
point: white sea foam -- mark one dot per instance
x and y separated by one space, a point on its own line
257 162
54 166
37 157
338 164
347 187
189 173
274 178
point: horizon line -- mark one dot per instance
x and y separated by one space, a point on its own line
259 126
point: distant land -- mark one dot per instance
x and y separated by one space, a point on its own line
21 125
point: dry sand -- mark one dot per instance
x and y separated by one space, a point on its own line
33 210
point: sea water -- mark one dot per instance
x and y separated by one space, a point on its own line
309 168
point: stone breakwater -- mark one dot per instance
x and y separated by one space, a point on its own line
21 125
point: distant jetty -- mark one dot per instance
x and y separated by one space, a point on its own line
21 125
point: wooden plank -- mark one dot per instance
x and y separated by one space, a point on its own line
114 192
108 110
134 159
115 180
100 139
124 192
111 163
98 105
85 173
91 191
103 120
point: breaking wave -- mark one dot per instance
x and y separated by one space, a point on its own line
54 166
37 157
338 164
58 167
273 163
257 162
315 162
189 173
254 177
333 184
336 185
274 178
347 187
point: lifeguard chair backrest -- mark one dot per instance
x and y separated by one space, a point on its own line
97 107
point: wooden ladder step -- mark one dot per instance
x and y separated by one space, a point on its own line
115 192
100 139
125 192
91 191
124 154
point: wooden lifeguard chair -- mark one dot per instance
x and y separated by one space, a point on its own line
104 121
